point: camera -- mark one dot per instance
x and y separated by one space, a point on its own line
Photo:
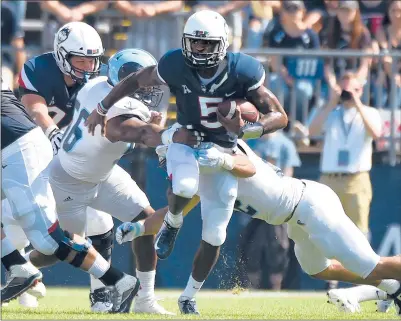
346 95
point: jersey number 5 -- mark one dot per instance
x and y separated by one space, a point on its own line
208 107
75 132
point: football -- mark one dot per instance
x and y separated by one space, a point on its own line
249 112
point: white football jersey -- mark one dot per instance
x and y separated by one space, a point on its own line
268 195
91 158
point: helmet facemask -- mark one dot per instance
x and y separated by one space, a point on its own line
86 75
149 96
212 55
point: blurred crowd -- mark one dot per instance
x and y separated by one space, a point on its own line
305 84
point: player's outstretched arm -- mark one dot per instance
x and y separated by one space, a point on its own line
133 130
145 77
274 117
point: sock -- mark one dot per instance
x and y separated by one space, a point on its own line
14 258
95 283
174 220
99 267
112 276
6 247
390 286
192 288
26 256
367 293
147 279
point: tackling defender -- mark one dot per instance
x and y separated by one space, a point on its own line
26 154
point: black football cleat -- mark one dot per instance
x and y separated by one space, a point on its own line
165 240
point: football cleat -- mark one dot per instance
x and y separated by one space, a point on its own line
28 301
38 290
343 300
165 240
19 279
383 305
397 301
188 306
123 293
100 300
150 305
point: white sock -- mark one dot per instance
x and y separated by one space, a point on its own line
6 247
390 286
27 256
96 284
147 280
367 293
192 288
174 220
99 267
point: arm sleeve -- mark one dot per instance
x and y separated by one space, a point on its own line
31 82
251 73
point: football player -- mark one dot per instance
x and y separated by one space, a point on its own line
26 154
85 171
328 245
201 75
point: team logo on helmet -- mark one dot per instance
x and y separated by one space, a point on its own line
63 34
200 33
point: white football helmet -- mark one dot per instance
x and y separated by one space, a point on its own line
208 26
77 39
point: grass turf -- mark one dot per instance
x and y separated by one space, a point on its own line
73 303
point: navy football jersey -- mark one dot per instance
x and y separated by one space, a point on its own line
15 121
197 103
41 76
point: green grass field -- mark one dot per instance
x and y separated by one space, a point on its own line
69 303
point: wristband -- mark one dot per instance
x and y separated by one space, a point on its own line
251 131
101 110
228 163
50 130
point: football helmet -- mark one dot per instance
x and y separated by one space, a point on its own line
211 29
77 39
127 61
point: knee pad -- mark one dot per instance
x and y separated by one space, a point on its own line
103 243
66 245
183 183
214 236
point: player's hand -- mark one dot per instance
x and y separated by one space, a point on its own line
55 138
155 117
210 157
234 124
95 119
128 231
188 136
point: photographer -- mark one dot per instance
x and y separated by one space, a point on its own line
349 129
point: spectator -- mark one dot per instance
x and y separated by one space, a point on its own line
63 11
290 32
372 12
261 13
12 36
348 32
389 39
349 128
147 9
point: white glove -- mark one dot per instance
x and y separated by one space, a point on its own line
55 136
128 231
213 158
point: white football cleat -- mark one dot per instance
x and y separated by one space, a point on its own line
343 301
38 290
150 305
28 301
123 293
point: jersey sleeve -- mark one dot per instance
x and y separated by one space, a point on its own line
130 107
250 72
31 81
169 67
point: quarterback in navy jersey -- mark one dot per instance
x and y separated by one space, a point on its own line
201 75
